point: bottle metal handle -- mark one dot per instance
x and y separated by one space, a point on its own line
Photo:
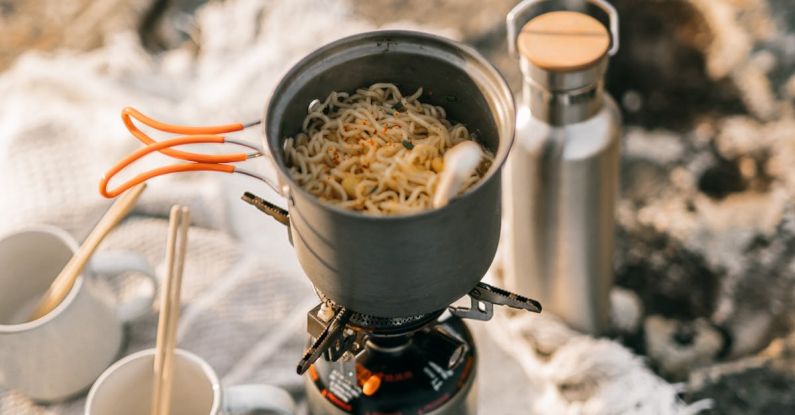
524 11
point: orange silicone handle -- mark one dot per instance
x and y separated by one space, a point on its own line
162 146
128 113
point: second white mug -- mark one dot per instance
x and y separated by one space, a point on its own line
126 389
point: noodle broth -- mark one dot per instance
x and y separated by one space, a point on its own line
376 150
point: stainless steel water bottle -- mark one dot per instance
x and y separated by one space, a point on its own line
561 181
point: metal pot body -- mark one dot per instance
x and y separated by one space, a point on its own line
396 266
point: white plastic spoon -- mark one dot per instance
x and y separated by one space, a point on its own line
459 163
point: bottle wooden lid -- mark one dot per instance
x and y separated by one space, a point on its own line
563 41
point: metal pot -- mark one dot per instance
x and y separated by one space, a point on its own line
397 266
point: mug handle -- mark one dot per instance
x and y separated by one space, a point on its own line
258 397
118 262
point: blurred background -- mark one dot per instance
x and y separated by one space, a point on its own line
706 248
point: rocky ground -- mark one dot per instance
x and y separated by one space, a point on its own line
707 225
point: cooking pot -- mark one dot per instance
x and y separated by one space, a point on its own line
394 266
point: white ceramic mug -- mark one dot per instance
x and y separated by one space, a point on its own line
126 389
60 354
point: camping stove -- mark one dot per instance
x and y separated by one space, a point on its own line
422 364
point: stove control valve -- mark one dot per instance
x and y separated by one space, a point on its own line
332 339
371 385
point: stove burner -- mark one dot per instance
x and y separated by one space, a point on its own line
383 325
338 332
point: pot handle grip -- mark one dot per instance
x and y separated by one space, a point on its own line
526 10
195 161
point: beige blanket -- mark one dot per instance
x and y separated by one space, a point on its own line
245 297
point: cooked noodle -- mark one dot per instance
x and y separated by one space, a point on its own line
376 151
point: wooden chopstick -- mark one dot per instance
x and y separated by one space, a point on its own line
63 283
176 247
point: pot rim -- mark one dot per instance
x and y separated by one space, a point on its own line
505 122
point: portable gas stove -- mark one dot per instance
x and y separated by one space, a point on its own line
423 364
